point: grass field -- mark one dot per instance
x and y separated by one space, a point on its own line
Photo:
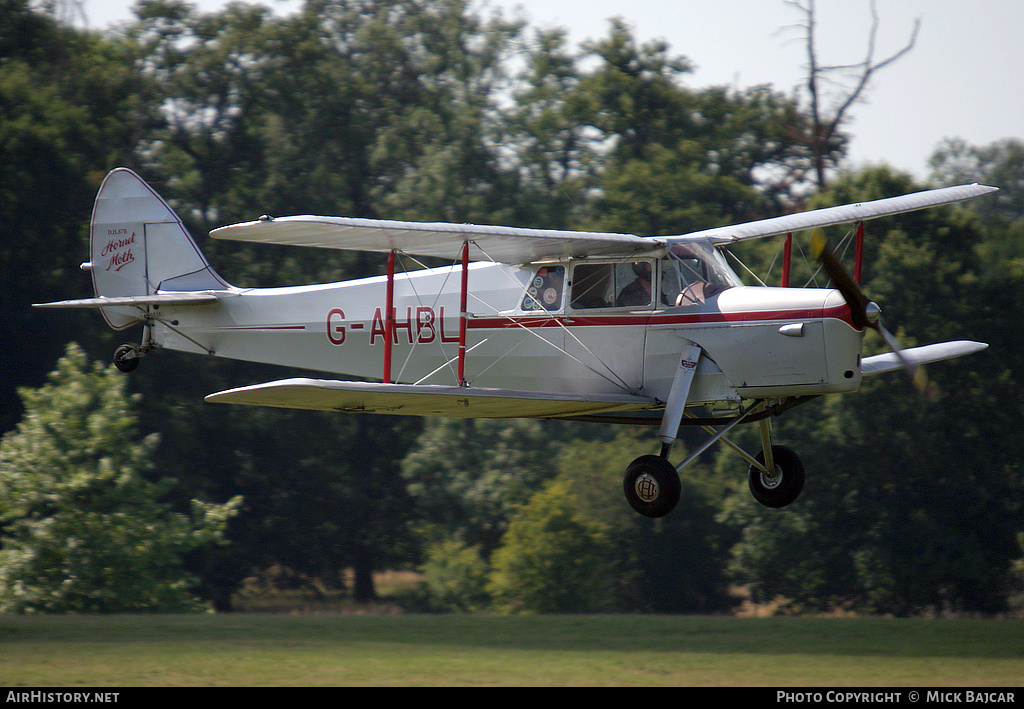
246 650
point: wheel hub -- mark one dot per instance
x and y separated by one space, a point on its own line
772 480
647 488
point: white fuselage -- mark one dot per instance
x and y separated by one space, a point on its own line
758 342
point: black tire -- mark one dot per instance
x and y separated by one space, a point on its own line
782 488
652 486
126 358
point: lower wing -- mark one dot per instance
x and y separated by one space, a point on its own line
919 355
426 399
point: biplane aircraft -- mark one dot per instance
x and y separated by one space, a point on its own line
540 323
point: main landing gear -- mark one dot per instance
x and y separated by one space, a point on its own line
781 485
652 488
775 476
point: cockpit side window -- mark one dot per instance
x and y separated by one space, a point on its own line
677 274
592 285
545 289
611 285
691 273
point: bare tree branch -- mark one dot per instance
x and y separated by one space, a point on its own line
826 123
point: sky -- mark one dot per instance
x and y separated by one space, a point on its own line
962 79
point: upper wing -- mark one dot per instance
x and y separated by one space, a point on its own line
514 245
506 244
424 399
844 214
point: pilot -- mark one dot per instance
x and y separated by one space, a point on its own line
695 289
639 291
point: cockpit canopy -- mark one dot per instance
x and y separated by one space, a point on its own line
688 274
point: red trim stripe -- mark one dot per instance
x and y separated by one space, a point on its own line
841 312
263 327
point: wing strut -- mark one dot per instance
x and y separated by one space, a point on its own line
463 314
389 316
787 259
858 254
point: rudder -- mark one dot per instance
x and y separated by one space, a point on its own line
139 246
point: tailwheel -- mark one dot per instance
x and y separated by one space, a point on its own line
126 358
652 486
780 487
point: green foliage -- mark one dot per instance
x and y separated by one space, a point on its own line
455 577
70 108
470 476
553 559
670 192
686 159
671 565
1000 164
83 529
472 479
547 132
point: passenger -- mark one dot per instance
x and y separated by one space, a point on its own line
639 291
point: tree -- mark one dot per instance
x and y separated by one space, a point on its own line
634 92
364 108
454 577
675 564
680 159
469 477
825 138
336 109
670 192
84 530
1001 164
552 559
69 109
554 150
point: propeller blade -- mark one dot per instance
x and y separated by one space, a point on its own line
863 311
915 372
841 279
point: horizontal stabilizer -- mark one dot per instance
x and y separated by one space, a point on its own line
919 355
424 399
183 298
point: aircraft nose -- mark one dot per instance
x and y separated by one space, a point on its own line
837 306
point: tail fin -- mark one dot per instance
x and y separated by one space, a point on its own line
138 246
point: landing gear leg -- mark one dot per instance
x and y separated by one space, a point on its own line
126 357
677 396
651 482
776 478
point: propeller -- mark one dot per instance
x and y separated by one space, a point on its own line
864 311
